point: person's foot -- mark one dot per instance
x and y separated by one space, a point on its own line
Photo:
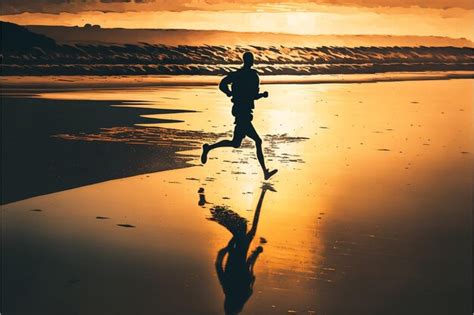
269 173
205 149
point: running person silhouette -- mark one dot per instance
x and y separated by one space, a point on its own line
245 90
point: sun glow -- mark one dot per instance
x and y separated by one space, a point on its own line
339 21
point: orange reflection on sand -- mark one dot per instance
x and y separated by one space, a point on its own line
369 174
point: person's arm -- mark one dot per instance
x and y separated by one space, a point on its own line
224 85
257 90
260 95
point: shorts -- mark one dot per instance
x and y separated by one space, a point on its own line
242 116
245 129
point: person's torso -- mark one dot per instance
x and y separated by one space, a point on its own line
244 89
244 86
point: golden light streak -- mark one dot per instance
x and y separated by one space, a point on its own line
430 22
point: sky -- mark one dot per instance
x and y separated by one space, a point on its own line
452 18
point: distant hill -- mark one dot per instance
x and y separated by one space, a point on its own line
174 37
16 37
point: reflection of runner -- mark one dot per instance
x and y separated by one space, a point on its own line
236 274
245 89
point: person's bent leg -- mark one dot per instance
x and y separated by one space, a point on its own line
234 143
221 144
208 147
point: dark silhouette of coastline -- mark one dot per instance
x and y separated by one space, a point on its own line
43 57
17 38
236 274
35 163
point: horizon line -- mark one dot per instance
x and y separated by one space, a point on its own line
243 32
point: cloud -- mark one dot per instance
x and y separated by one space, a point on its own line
73 6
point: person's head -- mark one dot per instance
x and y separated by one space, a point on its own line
248 59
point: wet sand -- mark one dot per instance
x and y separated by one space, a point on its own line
36 160
371 212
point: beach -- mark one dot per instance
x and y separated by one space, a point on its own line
109 210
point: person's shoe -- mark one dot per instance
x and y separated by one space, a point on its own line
205 149
269 174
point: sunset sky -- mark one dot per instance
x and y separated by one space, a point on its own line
453 18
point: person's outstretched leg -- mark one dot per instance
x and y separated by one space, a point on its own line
234 143
252 133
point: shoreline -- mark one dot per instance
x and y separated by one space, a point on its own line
60 82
